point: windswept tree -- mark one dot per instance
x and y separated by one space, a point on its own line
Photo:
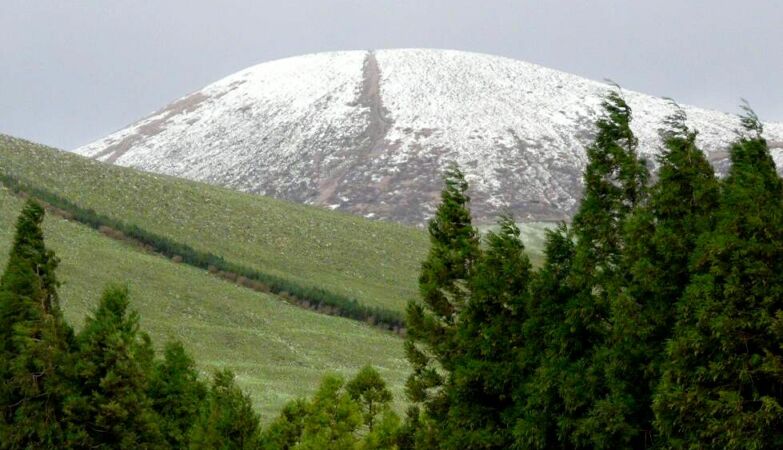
722 386
660 236
111 408
35 341
443 286
615 181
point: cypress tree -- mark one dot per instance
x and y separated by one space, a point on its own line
177 395
111 408
227 420
722 386
660 236
34 339
489 336
443 286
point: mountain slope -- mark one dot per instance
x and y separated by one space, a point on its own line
370 132
278 351
375 263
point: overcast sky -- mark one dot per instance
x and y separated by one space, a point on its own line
73 71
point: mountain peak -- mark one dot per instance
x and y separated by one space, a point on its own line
369 132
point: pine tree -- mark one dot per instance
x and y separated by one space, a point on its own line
177 395
659 238
227 420
443 286
722 386
489 336
369 390
35 341
111 408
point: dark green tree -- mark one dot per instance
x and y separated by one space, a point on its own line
227 420
615 181
489 335
660 237
722 386
548 340
34 339
177 395
111 408
443 286
369 390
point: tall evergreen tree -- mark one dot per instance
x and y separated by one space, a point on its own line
227 420
548 338
660 236
489 336
443 286
614 182
34 339
177 395
722 386
111 408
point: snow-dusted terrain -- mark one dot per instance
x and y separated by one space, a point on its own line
370 132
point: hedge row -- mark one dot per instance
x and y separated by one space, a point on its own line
313 297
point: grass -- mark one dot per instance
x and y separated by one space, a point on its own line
278 351
374 262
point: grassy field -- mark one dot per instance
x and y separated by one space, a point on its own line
373 262
277 350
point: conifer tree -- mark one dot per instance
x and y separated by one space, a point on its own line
227 420
547 340
35 341
489 336
329 421
443 286
177 395
369 390
111 408
722 386
614 182
660 236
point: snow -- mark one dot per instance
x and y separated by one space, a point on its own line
370 132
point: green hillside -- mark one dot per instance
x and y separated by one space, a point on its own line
373 262
278 351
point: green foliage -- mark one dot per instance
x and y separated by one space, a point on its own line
481 387
660 236
177 395
227 420
111 408
548 341
443 285
329 421
722 386
35 341
369 390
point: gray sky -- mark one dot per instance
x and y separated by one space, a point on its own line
72 71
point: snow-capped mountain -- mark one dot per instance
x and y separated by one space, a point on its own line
369 132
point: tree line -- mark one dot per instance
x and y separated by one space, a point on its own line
297 293
656 321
